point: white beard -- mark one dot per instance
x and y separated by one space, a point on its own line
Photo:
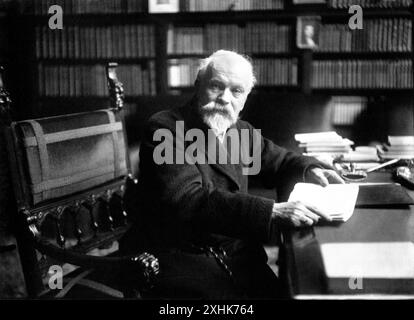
218 118
218 123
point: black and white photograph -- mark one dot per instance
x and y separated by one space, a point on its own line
206 157
307 32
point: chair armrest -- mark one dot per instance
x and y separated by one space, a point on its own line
143 266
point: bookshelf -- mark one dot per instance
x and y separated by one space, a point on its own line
71 62
75 7
273 61
158 53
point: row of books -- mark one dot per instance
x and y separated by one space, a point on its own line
376 35
260 37
90 80
185 40
228 5
182 72
345 4
114 41
397 147
41 7
372 74
138 79
282 72
346 109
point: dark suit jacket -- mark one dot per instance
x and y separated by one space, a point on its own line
204 204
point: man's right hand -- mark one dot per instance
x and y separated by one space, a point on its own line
297 214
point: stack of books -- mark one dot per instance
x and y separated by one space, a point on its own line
361 154
320 144
398 147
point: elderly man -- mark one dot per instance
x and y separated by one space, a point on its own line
197 217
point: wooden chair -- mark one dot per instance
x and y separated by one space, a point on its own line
69 174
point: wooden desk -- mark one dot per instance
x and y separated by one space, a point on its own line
301 264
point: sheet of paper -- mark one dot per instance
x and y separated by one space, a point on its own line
336 200
380 260
317 136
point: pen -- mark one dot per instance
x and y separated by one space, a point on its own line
383 165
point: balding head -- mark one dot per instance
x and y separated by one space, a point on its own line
228 62
223 83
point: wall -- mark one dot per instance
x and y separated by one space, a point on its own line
401 115
281 116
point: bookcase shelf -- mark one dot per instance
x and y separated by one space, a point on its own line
88 61
86 98
290 13
101 101
174 43
282 14
363 91
252 55
90 19
361 55
257 88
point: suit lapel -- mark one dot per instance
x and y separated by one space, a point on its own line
222 162
216 154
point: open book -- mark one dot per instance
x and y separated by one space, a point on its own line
336 200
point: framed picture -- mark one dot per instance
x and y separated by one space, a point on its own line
308 1
307 32
163 6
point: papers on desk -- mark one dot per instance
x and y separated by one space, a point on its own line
398 147
323 142
379 260
336 200
325 146
317 136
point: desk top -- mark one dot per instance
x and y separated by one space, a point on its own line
302 258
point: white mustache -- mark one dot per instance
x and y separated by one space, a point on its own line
217 108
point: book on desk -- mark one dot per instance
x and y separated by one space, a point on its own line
335 200
382 195
339 200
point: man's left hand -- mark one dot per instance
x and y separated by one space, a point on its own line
322 177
